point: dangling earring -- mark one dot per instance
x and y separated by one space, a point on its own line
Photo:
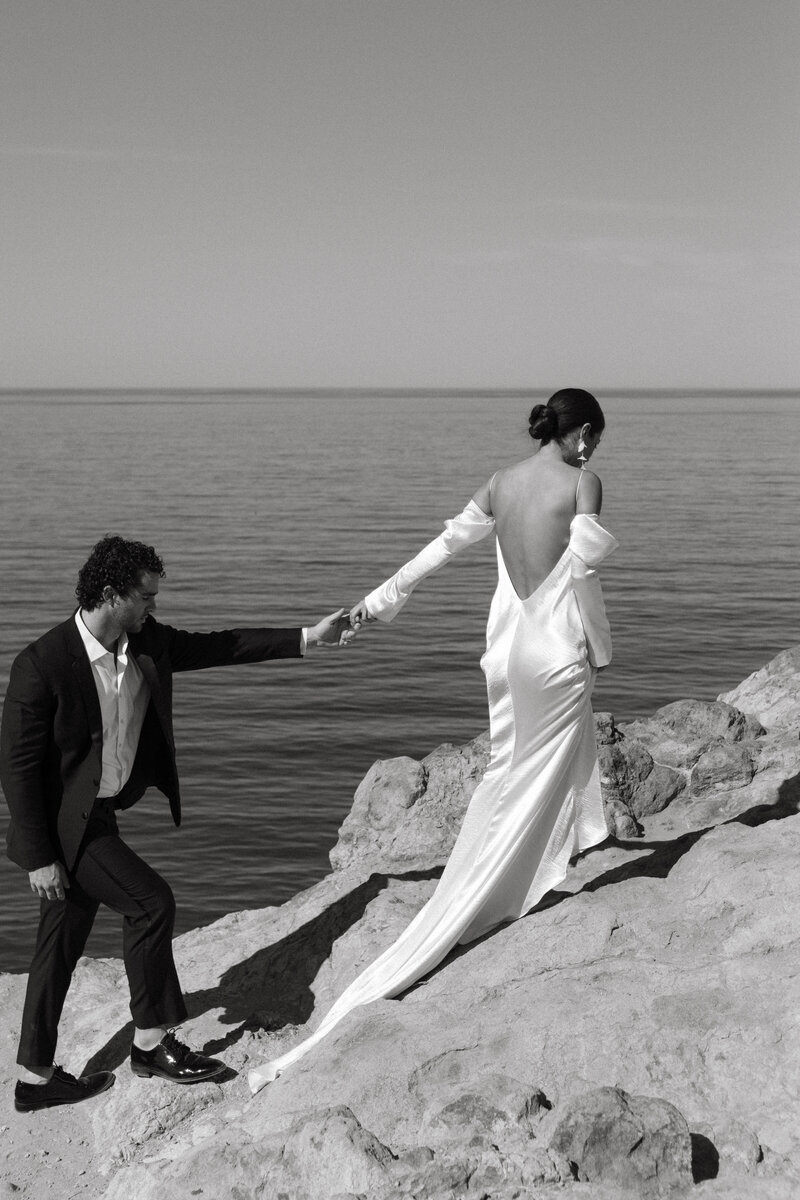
581 455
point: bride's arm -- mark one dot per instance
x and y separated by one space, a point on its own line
591 545
592 609
385 602
483 497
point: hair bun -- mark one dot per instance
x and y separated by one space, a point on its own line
543 423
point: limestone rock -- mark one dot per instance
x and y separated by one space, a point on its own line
606 732
384 919
735 1148
620 820
326 1152
639 1143
147 1111
406 815
661 968
771 694
731 765
630 778
679 733
453 1105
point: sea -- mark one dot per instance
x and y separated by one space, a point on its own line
277 508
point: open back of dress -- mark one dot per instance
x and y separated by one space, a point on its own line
539 801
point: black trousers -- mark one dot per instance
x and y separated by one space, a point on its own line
105 872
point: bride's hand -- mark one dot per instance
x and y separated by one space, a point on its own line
359 615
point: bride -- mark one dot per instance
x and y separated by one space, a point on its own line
539 802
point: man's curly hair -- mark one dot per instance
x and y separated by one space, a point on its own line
117 564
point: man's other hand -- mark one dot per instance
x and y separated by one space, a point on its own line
49 883
331 631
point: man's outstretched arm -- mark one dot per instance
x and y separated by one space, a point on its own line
231 647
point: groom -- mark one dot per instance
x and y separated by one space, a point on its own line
86 729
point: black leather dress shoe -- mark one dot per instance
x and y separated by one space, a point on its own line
172 1060
61 1088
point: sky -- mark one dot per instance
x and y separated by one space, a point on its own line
399 193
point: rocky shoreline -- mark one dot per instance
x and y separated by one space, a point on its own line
636 1034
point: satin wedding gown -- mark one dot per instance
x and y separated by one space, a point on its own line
539 802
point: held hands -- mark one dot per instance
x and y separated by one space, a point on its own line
330 631
359 615
339 629
49 882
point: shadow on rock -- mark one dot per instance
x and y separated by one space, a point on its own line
665 855
787 805
271 988
656 865
114 1053
705 1158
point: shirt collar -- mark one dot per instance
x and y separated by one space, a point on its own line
96 649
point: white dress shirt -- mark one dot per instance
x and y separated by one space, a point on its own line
124 695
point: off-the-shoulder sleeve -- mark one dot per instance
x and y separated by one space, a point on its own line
590 544
468 527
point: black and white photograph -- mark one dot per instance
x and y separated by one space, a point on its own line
400 636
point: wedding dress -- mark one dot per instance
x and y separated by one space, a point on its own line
539 802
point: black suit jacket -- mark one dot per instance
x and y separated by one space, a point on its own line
51 741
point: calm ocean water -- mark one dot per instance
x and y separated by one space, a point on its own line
278 509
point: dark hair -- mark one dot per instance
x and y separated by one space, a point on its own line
117 564
565 410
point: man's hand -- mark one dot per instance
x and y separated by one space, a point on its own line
50 882
331 631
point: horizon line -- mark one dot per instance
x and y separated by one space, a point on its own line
391 392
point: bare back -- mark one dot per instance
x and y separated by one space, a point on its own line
533 504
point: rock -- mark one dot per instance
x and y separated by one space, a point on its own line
620 820
387 790
679 733
771 694
384 919
660 788
777 1166
708 721
502 1107
605 729
406 815
623 765
652 960
326 1152
630 779
640 1144
723 764
738 1148
742 1189
661 968
147 1111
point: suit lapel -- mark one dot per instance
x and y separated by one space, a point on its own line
82 670
148 669
150 672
